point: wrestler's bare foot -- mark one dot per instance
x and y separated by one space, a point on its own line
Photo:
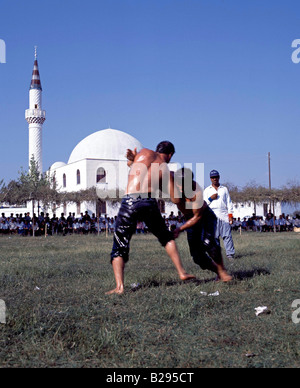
118 291
224 276
186 276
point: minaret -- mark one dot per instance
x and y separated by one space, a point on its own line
35 116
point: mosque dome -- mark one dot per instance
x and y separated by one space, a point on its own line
108 144
57 165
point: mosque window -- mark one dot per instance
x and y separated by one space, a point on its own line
78 177
64 180
101 175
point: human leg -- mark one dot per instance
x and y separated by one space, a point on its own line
216 254
209 229
156 224
198 249
124 229
227 239
118 265
173 253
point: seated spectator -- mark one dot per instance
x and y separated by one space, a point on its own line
262 223
12 225
4 226
256 225
76 226
94 228
111 225
245 224
237 224
62 224
280 224
54 224
86 226
140 227
20 227
296 222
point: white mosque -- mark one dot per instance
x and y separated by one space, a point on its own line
97 161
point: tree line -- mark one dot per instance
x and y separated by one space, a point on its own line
258 194
35 187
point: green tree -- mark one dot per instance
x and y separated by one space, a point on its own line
31 186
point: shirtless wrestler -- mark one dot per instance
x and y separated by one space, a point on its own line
148 170
200 225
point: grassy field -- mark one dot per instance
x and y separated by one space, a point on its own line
59 316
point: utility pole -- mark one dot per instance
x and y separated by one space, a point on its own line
270 188
269 160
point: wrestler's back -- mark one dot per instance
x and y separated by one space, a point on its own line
139 179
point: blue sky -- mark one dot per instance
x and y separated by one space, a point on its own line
215 77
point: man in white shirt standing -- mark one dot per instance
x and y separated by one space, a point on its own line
218 199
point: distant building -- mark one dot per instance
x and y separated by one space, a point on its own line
247 209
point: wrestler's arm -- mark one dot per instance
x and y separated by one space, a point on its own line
174 192
130 155
197 215
197 205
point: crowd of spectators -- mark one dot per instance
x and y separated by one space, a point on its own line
283 223
43 224
46 225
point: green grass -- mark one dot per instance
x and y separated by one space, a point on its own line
70 322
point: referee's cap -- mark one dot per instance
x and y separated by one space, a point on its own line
214 173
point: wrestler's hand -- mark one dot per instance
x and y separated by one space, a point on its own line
214 196
130 155
176 233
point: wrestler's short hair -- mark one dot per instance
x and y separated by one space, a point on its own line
165 147
184 172
185 178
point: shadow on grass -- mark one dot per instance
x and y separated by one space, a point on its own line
237 275
248 274
155 283
243 256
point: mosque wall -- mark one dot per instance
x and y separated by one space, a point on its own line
71 177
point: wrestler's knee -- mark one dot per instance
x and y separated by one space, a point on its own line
124 255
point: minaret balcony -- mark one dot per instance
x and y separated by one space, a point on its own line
35 116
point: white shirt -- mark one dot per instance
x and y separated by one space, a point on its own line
222 206
297 223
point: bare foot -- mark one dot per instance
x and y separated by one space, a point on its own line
187 277
118 291
224 276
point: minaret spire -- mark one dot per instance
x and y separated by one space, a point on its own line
35 79
35 116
